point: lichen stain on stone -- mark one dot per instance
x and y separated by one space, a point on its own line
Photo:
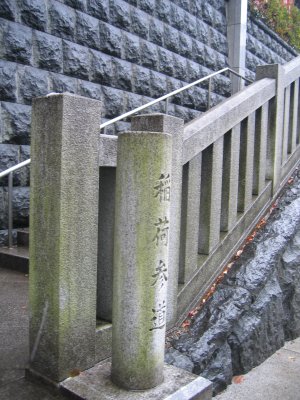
63 298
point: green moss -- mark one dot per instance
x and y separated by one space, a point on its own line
278 17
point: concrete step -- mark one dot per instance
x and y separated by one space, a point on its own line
23 237
16 258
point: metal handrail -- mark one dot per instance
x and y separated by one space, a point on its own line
10 172
15 168
166 97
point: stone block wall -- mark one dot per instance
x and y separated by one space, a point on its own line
264 47
124 53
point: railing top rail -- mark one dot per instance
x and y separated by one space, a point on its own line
173 93
291 71
205 130
15 168
291 65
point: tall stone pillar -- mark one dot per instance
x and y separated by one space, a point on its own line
63 234
142 236
173 126
236 12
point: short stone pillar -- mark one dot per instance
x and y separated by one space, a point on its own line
143 187
63 234
276 120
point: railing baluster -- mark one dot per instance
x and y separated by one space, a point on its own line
230 177
286 123
298 114
211 194
246 163
10 210
166 106
209 93
275 123
260 153
294 117
190 218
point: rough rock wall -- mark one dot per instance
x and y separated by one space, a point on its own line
121 52
255 309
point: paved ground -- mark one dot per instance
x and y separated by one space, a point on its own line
14 341
278 378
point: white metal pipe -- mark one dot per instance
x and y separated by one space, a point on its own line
15 167
10 210
209 93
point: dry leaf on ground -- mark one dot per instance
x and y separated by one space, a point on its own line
238 379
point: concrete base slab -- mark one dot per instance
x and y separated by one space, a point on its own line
95 384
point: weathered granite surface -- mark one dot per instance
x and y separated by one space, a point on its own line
140 274
63 235
255 308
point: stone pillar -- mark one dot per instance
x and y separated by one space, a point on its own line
173 126
275 120
236 36
142 235
63 234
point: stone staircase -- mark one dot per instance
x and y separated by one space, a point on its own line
17 258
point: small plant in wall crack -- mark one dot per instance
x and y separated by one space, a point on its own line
281 19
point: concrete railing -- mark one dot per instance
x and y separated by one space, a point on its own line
223 171
236 158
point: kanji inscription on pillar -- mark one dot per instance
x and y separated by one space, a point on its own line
163 188
159 316
162 232
160 276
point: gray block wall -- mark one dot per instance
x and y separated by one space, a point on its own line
264 47
123 53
